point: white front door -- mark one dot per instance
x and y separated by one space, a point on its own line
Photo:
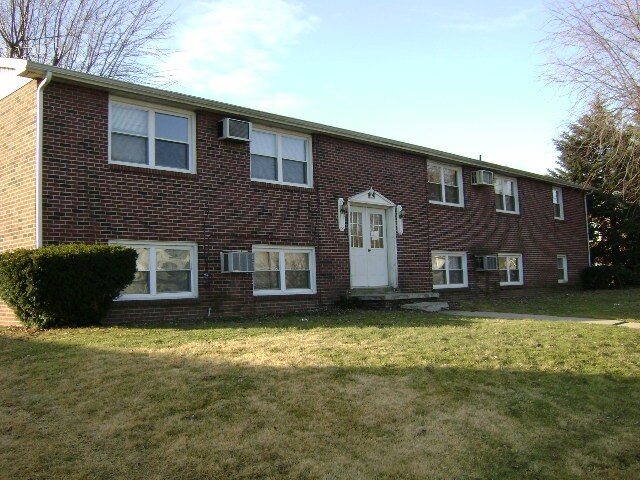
368 247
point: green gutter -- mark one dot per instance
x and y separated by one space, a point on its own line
39 71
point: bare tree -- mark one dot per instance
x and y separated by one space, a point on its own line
593 48
112 38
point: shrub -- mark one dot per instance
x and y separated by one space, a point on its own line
64 285
603 277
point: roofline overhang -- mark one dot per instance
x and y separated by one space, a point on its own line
38 71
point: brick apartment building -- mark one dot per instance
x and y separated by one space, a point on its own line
301 214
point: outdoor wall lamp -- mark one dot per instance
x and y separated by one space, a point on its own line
343 210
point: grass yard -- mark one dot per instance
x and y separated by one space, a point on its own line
335 396
606 304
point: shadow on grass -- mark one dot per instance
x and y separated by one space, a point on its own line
70 411
306 321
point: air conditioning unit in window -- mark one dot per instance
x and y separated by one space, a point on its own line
482 177
486 262
233 129
237 261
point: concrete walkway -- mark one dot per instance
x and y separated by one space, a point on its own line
526 316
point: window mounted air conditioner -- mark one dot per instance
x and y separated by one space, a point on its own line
237 261
482 177
486 262
233 129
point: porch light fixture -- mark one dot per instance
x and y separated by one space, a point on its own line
399 219
343 210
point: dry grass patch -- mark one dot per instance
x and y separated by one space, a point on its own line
360 396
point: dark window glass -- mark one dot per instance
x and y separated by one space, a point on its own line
172 155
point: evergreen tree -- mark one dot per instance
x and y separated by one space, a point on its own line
595 157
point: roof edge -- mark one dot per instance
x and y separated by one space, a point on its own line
27 68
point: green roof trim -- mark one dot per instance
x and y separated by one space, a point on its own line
35 70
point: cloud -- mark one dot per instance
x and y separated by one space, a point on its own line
495 24
230 50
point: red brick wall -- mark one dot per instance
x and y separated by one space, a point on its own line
479 230
17 175
220 208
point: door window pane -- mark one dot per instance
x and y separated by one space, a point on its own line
355 229
376 230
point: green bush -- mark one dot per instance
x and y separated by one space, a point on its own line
602 277
64 285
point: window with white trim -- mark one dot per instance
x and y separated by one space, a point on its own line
506 190
445 184
510 269
558 204
280 157
449 269
163 271
151 136
284 270
563 272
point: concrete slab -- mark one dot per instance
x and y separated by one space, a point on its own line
426 306
634 325
549 318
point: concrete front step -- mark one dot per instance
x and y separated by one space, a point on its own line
391 295
426 306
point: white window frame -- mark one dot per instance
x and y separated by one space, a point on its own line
152 109
447 254
279 134
557 192
311 251
565 266
458 170
192 247
520 264
500 178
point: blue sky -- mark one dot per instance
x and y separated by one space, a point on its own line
464 77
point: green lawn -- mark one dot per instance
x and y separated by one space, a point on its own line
606 304
336 396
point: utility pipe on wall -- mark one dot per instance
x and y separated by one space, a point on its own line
39 136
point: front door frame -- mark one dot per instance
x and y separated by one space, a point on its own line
373 199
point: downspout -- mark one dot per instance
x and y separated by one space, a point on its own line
586 216
39 136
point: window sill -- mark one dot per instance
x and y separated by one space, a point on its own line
511 285
517 212
560 219
446 204
280 293
151 170
450 287
158 301
281 186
